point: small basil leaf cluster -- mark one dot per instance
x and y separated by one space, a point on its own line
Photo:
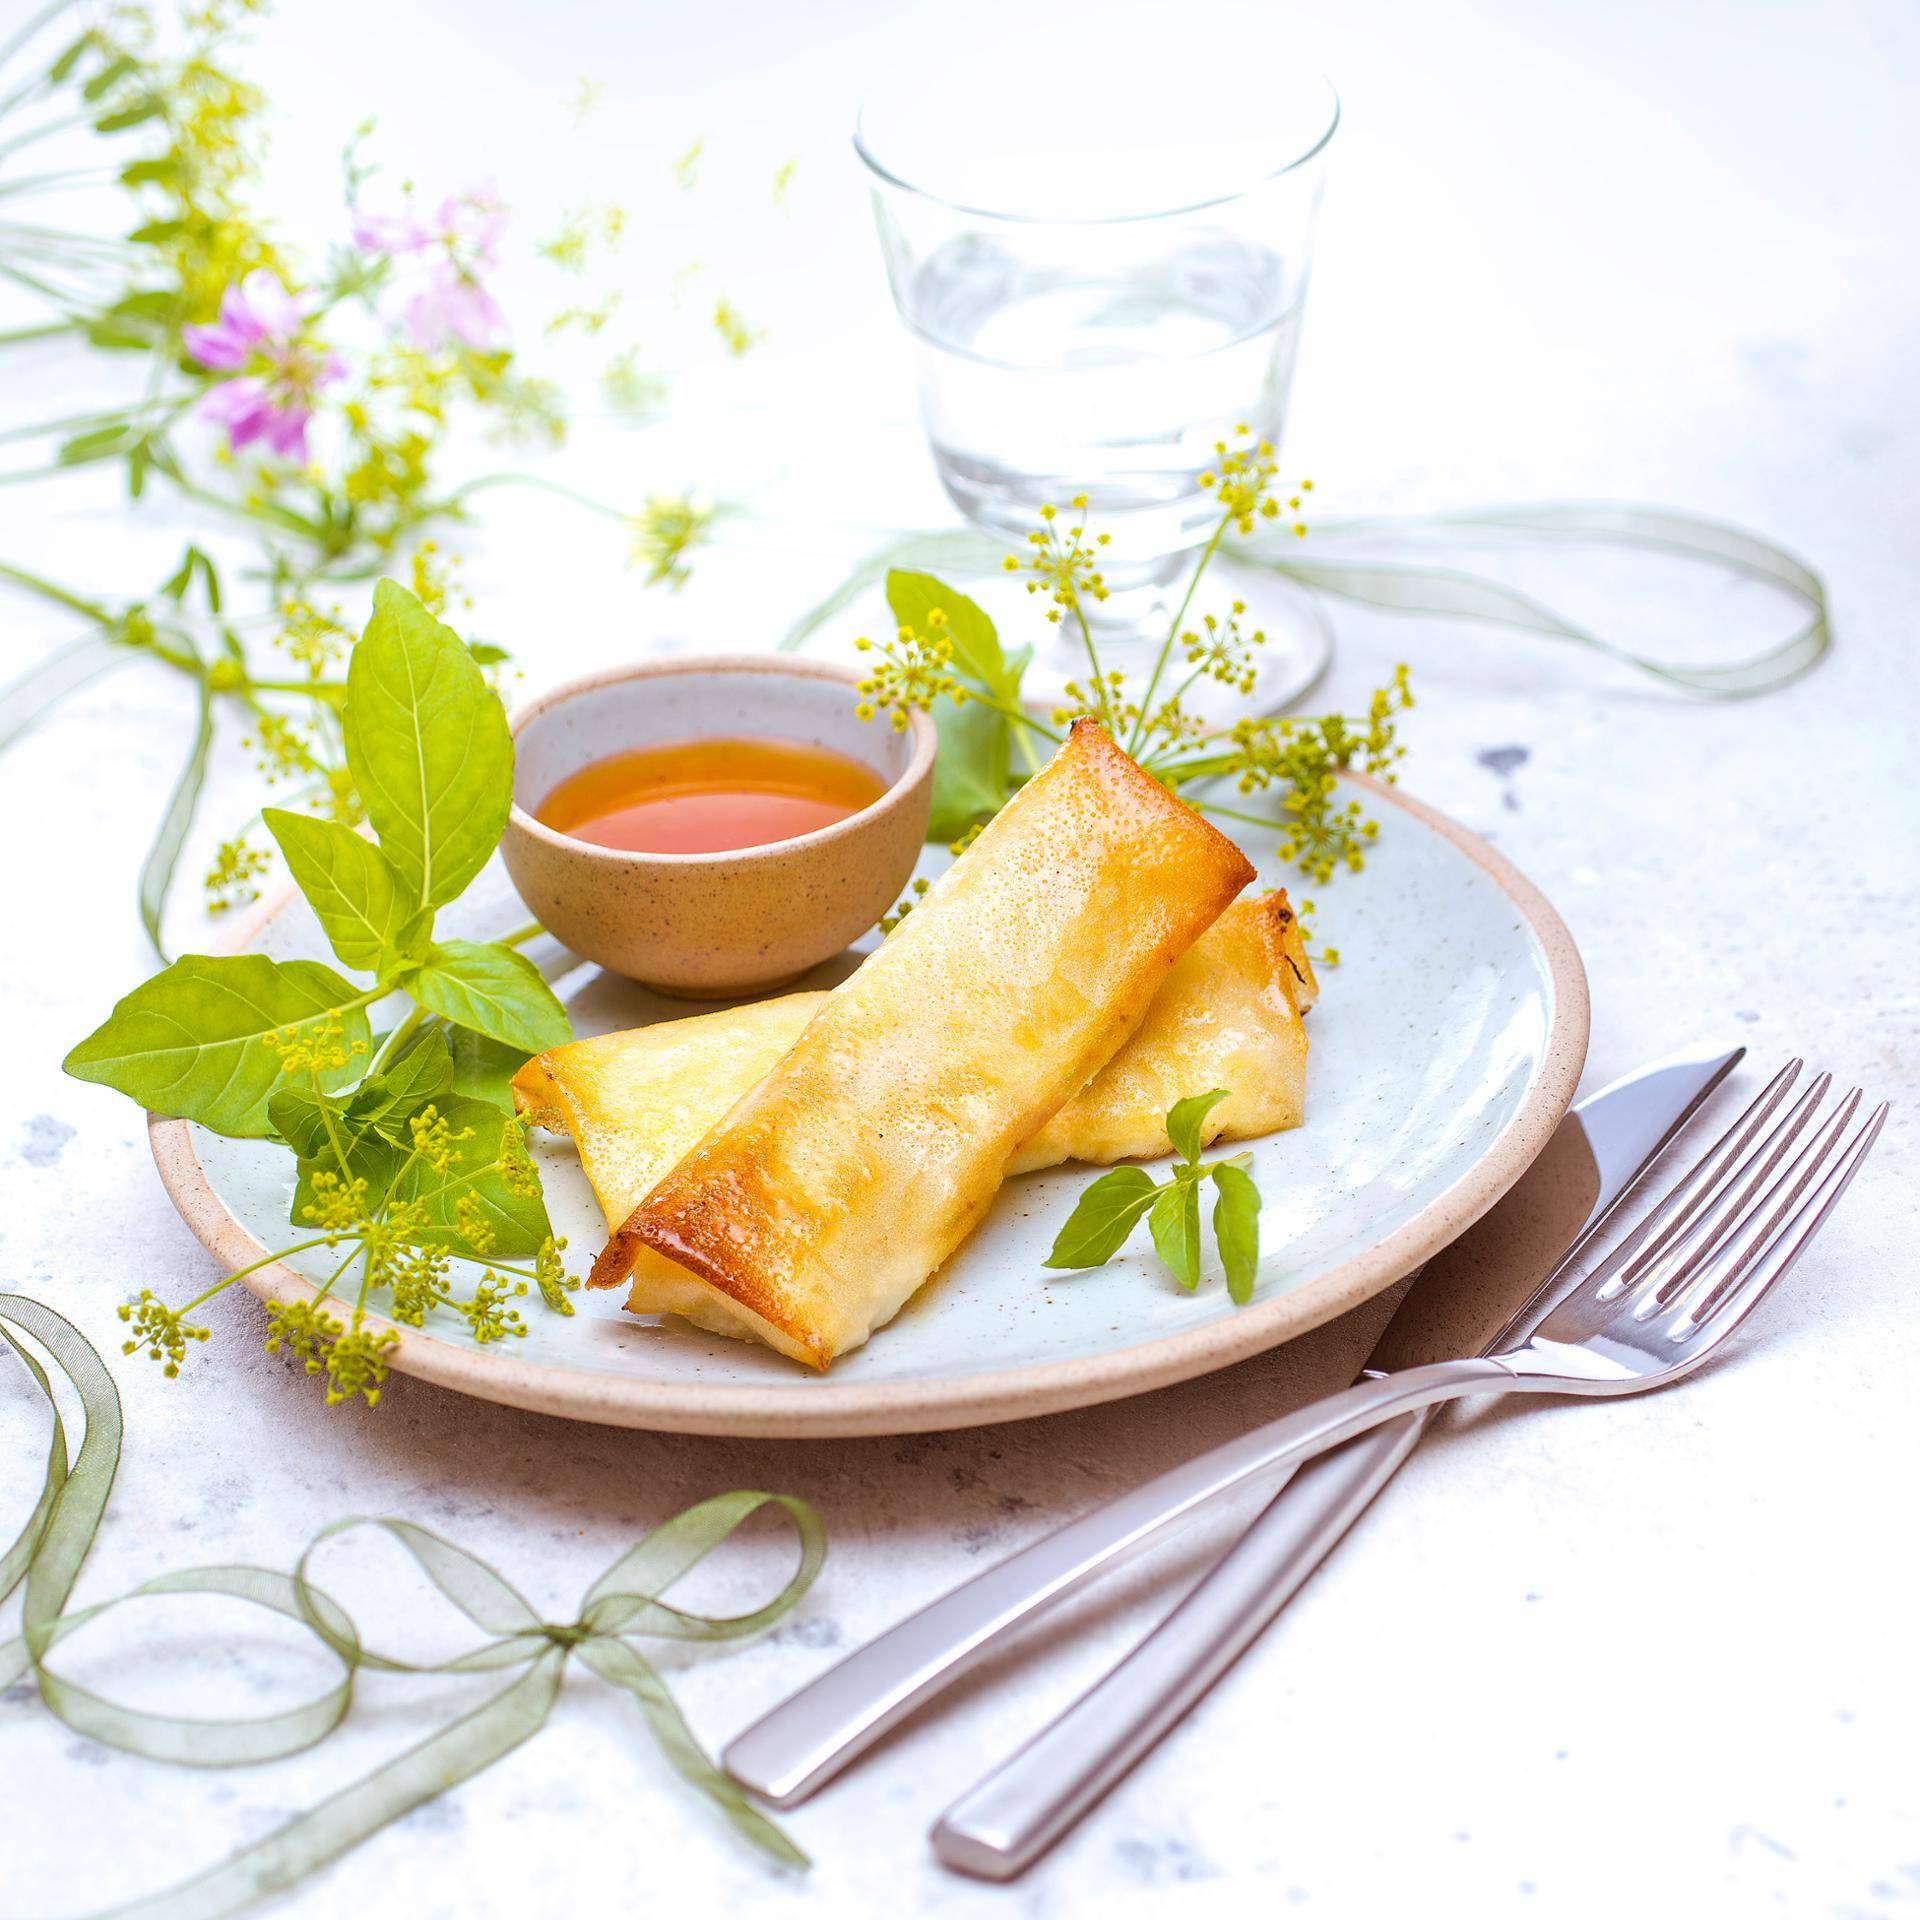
426 742
408 1153
1107 1213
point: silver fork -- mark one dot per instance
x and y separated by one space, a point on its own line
1651 1314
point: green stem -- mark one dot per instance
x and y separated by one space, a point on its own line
391 1045
1173 631
79 422
253 1266
317 689
1014 711
326 1286
33 583
1100 690
487 480
520 935
45 182
46 128
44 17
330 1120
51 330
1233 813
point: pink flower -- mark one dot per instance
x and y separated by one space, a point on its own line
261 337
258 309
388 232
452 301
455 303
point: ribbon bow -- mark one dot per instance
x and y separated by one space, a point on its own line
624 1604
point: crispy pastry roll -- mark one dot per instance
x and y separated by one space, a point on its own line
1228 1015
844 1177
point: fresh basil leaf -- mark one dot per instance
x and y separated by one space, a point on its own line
360 901
483 1069
977 653
371 1155
1174 1223
1184 1120
970 767
384 1104
296 1117
421 1074
494 990
191 1042
1102 1218
428 748
1236 1227
490 1181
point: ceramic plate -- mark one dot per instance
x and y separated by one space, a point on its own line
1445 1048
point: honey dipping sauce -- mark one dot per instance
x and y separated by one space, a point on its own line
708 796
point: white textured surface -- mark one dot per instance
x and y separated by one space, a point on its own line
1657 1656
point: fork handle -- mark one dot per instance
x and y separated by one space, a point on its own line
1012 1816
809 1737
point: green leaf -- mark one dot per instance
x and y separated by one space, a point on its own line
514 1209
424 1072
1236 1227
484 1069
141 173
970 774
372 1124
970 768
1185 1118
191 1042
1175 1225
147 109
977 653
428 748
70 58
110 75
300 1119
163 856
494 990
101 443
360 901
1105 1214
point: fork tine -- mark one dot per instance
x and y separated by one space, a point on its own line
1713 1316
1677 1211
1707 1275
1655 1276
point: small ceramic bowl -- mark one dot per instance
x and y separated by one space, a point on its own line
711 926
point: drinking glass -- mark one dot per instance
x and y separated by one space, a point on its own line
1096 302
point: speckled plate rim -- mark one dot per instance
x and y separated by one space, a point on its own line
974 1400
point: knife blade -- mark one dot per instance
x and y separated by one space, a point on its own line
1462 1301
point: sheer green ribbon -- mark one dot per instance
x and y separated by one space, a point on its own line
1407 587
624 1604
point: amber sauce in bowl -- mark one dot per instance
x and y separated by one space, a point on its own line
713 825
709 796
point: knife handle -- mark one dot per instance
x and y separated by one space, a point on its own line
787 1753
1003 1824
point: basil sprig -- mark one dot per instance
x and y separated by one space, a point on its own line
1104 1218
428 748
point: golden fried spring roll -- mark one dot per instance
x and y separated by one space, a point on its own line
841 1181
1228 1015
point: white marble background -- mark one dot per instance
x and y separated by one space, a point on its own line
1657 1657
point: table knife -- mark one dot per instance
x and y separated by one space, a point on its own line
1592 1158
1463 1299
